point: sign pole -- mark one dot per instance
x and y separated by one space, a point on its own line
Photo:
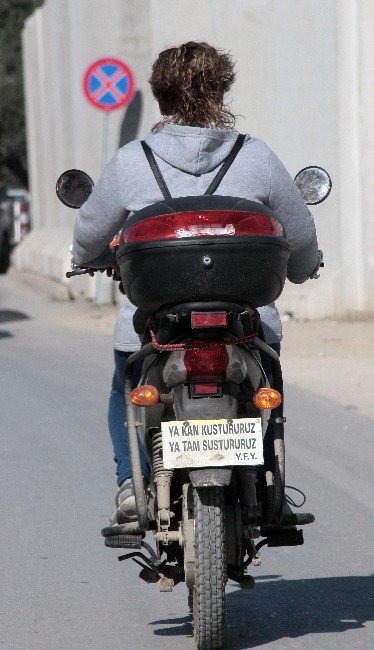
108 85
104 140
102 281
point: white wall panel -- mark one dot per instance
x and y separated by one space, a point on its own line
305 80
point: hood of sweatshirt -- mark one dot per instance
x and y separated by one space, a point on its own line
192 149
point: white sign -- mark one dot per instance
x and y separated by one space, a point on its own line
212 443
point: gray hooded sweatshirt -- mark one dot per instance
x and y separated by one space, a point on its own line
189 157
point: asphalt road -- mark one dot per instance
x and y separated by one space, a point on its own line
61 588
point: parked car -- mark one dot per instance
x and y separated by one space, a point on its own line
15 222
6 232
20 207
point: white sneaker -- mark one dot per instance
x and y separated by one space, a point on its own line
125 503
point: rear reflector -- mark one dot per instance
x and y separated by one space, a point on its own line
209 319
206 388
210 362
203 223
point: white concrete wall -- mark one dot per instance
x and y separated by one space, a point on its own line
60 40
304 84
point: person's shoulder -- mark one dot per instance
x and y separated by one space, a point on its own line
256 149
130 149
255 143
130 158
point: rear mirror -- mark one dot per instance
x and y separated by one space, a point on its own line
74 187
314 184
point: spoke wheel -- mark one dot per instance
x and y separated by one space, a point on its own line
209 609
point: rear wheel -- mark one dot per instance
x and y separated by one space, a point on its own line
209 608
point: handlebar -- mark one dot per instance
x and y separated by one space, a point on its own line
320 265
90 271
70 274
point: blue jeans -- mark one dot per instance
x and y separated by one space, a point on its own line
116 420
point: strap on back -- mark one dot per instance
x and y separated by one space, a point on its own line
216 180
156 170
226 165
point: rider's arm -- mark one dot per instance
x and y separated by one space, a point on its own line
286 201
99 219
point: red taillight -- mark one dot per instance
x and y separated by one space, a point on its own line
204 223
208 319
210 362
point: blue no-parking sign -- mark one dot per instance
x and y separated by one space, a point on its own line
109 84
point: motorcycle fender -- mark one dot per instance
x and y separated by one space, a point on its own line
210 476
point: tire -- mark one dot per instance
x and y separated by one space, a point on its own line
209 609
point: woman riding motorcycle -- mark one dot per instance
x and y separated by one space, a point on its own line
190 143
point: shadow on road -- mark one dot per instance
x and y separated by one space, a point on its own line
9 315
281 609
181 626
4 334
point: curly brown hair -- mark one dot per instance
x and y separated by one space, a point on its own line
190 82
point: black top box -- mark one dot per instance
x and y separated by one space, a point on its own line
203 249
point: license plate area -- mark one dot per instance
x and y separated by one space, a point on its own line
212 443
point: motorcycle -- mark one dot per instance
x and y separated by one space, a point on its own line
209 405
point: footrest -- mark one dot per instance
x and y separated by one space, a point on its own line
131 528
297 519
290 519
124 541
122 537
290 537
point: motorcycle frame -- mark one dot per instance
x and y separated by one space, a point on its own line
275 483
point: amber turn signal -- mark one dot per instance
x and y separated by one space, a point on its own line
267 398
145 395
